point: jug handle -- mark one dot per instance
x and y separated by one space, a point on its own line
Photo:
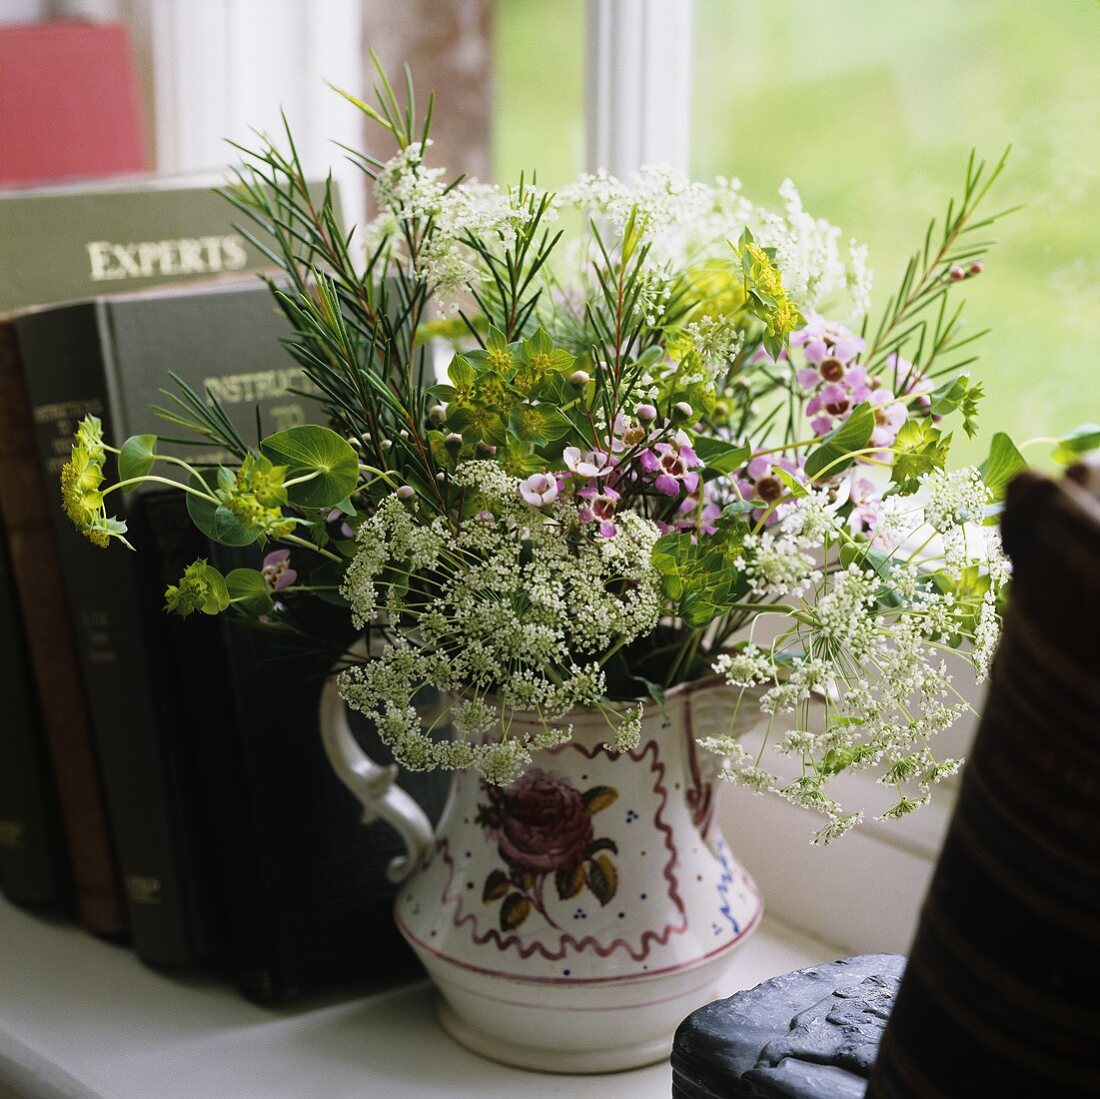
372 784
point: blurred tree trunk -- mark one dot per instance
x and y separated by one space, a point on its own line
448 46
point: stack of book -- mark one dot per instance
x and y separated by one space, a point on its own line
165 778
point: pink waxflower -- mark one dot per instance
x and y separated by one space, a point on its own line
833 402
599 507
915 388
539 489
889 413
592 463
624 434
691 516
674 463
759 481
828 349
345 530
276 570
866 501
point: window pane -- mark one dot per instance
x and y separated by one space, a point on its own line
539 70
872 109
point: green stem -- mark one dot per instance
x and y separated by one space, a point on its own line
294 540
301 480
150 479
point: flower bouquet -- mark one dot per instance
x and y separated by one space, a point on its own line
591 451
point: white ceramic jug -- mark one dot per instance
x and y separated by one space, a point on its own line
573 919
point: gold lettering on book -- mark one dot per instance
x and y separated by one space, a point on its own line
98 644
261 385
144 259
143 890
13 835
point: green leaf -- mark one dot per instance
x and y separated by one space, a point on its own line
656 692
842 441
540 353
719 456
538 423
919 448
136 457
248 589
603 879
215 520
310 449
599 797
866 554
1003 463
958 393
217 598
476 425
794 485
1079 441
461 373
515 909
496 885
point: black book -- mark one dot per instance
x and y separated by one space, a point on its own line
34 865
110 357
301 882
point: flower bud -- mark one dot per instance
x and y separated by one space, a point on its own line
437 414
956 273
976 268
646 413
720 413
454 440
406 492
579 378
486 448
682 411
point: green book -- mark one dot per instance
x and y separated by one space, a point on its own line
109 357
70 243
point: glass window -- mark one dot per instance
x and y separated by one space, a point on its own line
871 109
538 120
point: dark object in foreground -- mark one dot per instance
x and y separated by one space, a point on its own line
811 1034
1000 996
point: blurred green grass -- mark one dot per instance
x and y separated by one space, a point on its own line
871 109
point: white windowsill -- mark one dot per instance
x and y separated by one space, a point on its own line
80 1018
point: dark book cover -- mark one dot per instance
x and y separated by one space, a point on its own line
25 502
33 859
84 125
303 897
109 357
59 244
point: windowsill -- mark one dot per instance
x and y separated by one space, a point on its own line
81 1018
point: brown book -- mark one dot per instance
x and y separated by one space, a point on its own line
36 571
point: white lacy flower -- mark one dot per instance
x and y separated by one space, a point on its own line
746 668
778 566
954 498
519 605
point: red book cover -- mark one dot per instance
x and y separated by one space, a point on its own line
68 103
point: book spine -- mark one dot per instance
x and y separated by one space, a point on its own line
202 649
33 859
36 575
329 900
66 367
